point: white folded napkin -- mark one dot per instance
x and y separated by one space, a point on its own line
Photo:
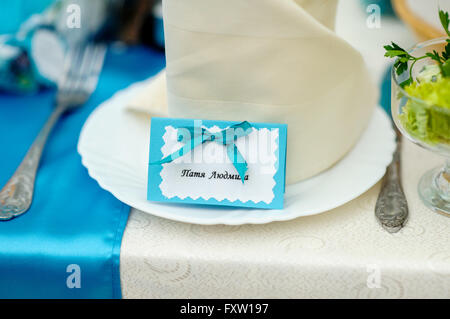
152 99
268 61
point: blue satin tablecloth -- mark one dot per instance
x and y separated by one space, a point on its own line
72 222
14 13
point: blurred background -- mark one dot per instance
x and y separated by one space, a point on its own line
30 27
36 34
128 20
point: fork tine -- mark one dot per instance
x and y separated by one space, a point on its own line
66 67
90 69
82 68
72 62
96 67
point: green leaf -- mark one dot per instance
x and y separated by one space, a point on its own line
400 67
435 56
406 83
395 50
446 53
395 46
446 69
395 53
445 21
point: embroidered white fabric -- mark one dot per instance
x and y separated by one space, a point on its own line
343 253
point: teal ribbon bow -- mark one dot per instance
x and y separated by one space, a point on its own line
195 136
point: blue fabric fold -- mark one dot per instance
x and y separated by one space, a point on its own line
72 221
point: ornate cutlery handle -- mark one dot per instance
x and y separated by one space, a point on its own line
16 196
391 209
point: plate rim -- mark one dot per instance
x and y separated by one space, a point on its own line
255 220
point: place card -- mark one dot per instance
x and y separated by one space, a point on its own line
217 163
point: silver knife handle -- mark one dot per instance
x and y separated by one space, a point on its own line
17 195
391 209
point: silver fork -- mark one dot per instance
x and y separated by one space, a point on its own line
82 67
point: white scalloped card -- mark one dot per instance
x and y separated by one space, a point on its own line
217 163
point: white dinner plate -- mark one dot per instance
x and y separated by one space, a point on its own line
114 145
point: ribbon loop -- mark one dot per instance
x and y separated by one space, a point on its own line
195 136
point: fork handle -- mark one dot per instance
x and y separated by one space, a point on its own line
391 208
17 195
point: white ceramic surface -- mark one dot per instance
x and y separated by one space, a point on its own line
114 147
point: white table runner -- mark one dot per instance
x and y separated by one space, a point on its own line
338 254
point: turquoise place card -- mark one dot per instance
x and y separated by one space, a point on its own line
217 163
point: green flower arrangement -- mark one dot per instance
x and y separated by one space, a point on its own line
426 115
